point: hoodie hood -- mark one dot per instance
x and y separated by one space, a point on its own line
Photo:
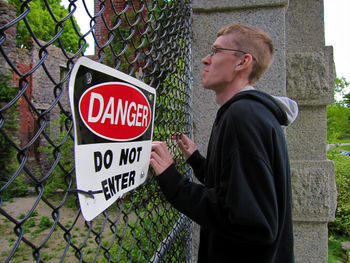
285 109
289 106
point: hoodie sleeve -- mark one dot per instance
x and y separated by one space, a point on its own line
242 209
242 205
197 162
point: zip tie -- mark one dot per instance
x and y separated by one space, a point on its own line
89 193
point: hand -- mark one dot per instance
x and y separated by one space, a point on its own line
160 157
187 146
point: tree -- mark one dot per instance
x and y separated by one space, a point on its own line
340 88
338 113
338 124
41 19
344 84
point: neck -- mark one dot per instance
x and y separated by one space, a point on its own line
224 95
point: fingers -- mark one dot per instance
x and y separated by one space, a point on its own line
155 157
160 148
186 145
154 162
182 146
179 137
160 157
185 139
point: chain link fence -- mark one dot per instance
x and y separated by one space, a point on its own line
40 40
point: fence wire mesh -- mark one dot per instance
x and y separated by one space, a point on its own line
40 40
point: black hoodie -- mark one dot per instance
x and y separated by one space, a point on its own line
244 202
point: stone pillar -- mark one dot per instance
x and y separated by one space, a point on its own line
209 16
303 69
310 81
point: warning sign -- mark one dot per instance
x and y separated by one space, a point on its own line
113 116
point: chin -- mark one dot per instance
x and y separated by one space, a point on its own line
206 86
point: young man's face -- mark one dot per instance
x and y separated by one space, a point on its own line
219 68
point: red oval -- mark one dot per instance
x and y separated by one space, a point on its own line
115 111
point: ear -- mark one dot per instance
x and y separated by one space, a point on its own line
245 62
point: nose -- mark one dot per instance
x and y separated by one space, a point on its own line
206 60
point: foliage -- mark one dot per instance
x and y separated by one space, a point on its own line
340 85
6 91
62 173
338 113
123 46
338 122
18 188
336 253
341 225
44 26
345 148
338 127
7 151
146 232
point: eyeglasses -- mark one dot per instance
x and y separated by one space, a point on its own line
215 50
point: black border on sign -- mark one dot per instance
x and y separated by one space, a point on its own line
87 73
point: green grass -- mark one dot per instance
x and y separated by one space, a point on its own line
335 252
345 148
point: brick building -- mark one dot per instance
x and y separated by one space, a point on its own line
35 79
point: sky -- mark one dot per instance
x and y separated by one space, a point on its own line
337 31
83 20
337 34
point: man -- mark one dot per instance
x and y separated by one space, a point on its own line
244 202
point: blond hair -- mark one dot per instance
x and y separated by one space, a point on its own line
254 41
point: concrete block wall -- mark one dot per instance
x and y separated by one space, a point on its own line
303 69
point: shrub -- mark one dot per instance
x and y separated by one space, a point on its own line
341 225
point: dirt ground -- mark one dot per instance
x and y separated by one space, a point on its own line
39 231
29 226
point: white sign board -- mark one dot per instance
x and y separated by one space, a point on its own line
113 115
